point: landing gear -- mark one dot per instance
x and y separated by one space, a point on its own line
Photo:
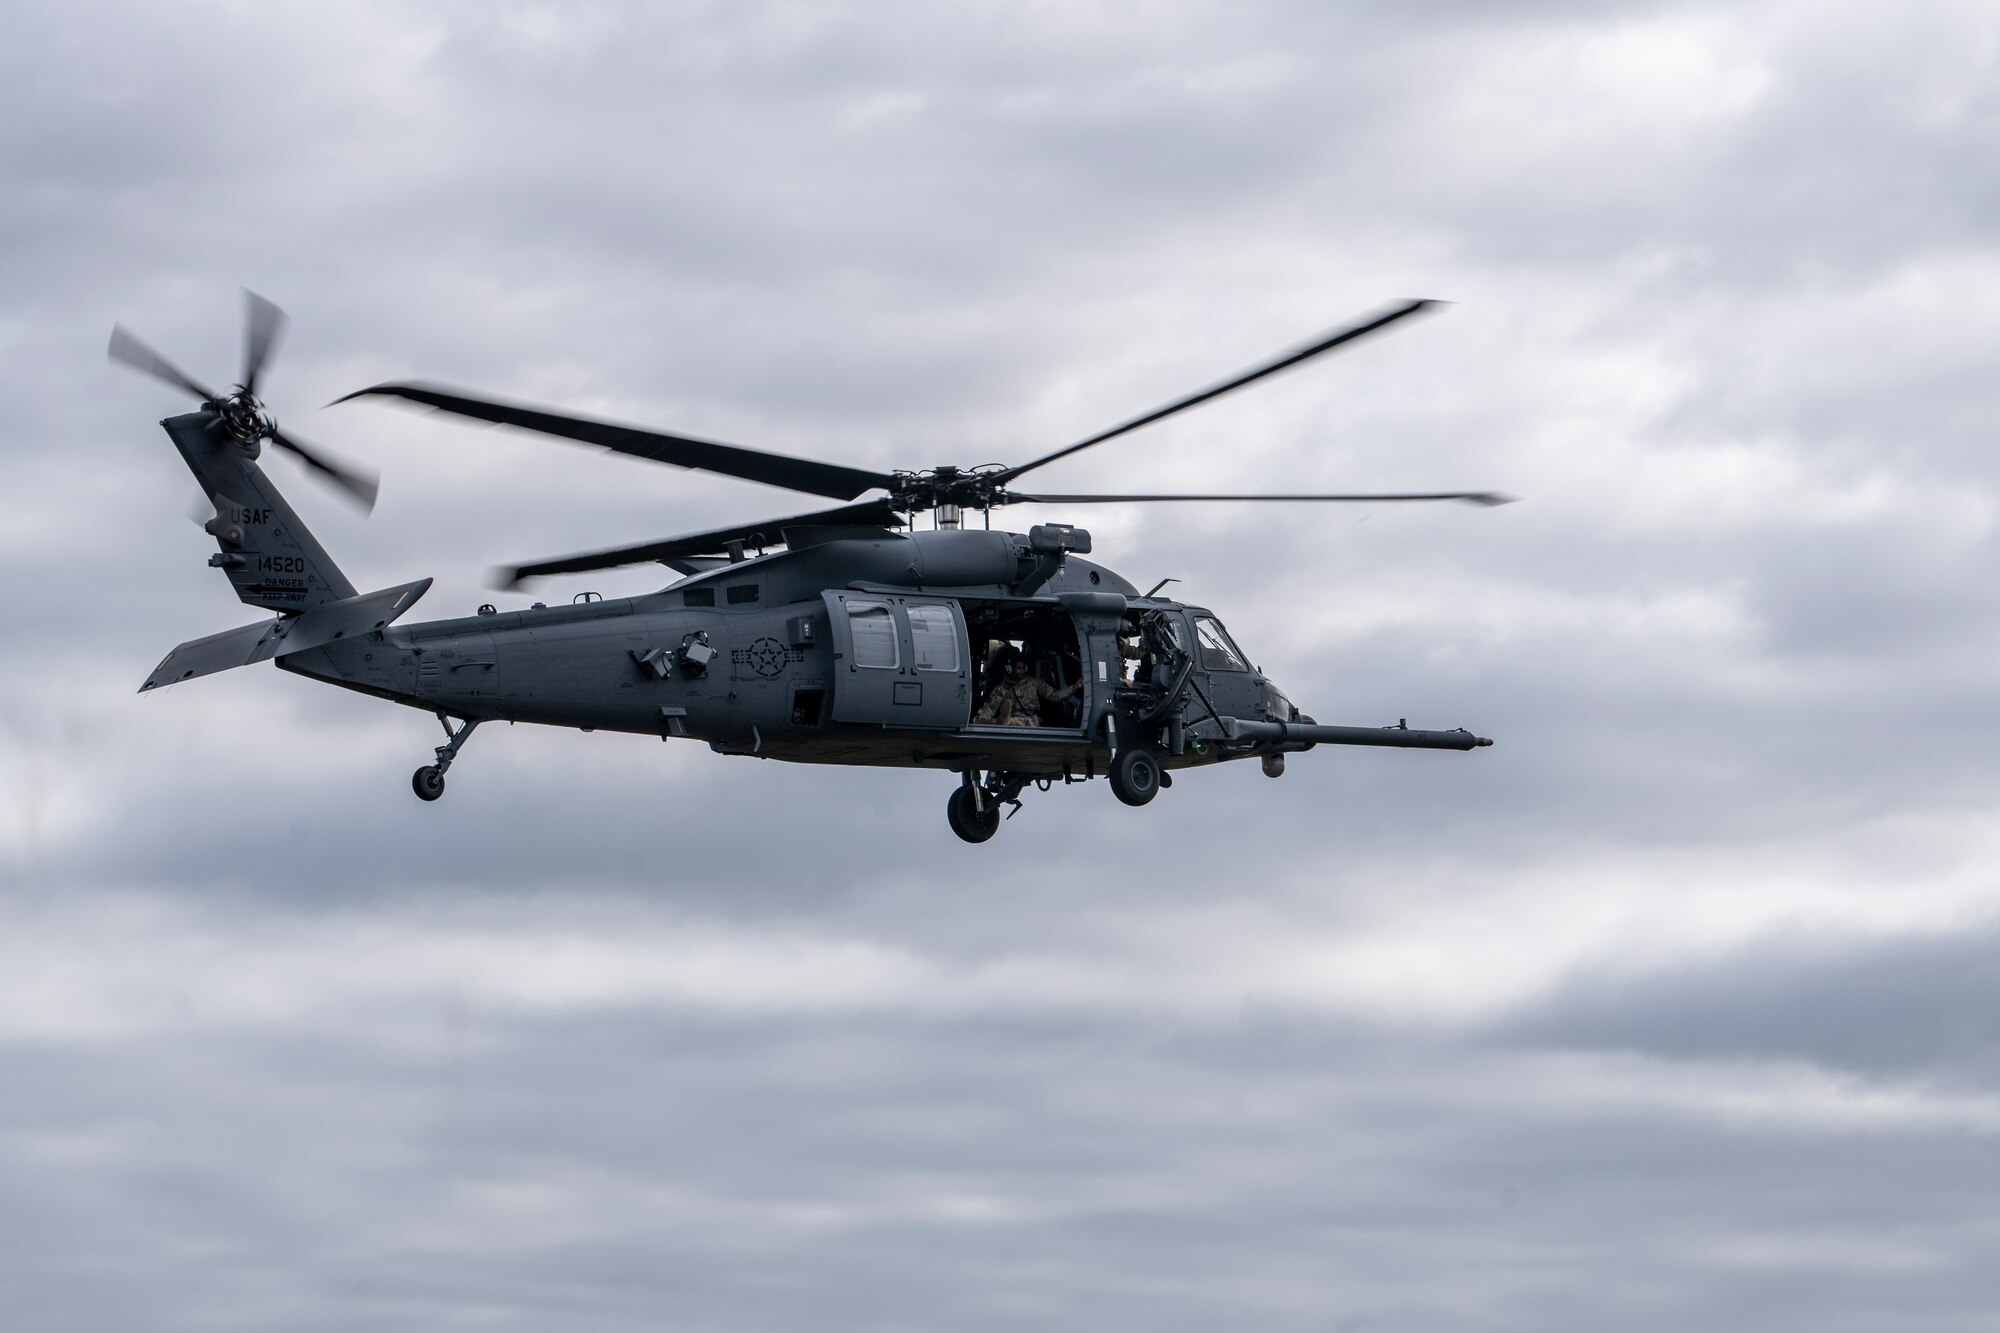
974 809
1136 776
428 781
968 820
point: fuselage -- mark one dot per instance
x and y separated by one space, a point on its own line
874 649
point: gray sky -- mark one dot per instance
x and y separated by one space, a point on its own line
1674 1009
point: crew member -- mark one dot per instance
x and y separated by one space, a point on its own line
1017 700
1129 650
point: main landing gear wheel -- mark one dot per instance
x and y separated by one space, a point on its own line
967 820
1136 776
428 781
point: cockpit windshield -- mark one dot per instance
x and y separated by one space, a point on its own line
1218 651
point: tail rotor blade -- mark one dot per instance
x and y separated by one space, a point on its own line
358 485
128 350
262 323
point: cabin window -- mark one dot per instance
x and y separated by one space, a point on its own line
874 633
1218 653
933 638
698 597
740 593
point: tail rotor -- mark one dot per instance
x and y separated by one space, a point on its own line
241 412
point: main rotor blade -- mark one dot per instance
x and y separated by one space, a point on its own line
1487 498
796 474
1283 361
358 485
868 514
262 323
127 348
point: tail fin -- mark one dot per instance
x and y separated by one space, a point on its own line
268 554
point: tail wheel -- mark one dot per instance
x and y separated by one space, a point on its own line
428 783
967 820
1136 775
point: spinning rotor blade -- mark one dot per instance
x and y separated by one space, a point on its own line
1488 498
243 415
128 349
1283 361
796 474
868 514
358 485
262 323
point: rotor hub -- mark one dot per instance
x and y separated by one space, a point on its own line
245 418
947 486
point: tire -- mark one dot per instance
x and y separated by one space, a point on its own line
427 783
967 821
1135 775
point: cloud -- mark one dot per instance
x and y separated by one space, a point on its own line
1913 1008
1665 1011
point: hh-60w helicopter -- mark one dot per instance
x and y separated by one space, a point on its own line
1002 657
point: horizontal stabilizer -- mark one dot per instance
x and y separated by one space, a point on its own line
287 634
217 652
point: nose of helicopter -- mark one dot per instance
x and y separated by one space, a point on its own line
1276 706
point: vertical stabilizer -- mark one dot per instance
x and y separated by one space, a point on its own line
270 557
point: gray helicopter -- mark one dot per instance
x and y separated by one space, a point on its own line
839 636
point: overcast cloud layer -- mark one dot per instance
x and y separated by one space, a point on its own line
1675 1009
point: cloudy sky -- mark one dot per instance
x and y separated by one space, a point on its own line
1674 1009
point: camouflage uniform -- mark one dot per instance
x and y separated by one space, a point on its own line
1028 694
1130 653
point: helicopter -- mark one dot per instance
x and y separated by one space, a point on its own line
838 636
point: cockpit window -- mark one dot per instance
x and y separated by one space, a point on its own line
1218 651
